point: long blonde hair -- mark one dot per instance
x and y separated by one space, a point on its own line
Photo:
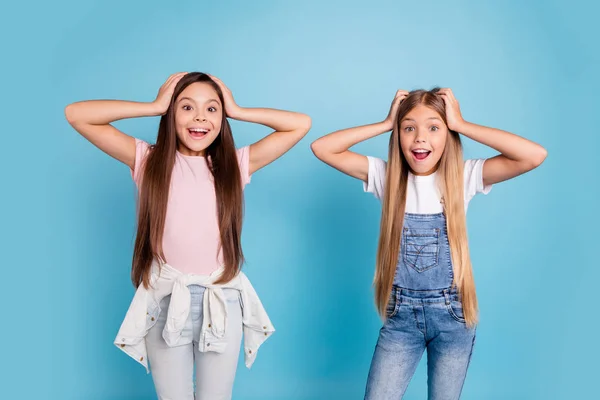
450 180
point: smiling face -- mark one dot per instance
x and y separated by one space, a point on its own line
198 118
423 135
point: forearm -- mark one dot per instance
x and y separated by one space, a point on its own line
103 112
278 120
340 141
508 144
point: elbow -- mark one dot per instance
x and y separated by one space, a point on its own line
320 150
317 149
539 158
306 124
303 126
70 114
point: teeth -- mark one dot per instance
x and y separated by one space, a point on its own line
199 130
421 151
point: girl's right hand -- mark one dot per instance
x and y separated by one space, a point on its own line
165 93
333 149
391 118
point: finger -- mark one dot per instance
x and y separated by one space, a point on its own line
169 80
175 81
219 83
448 98
449 93
169 84
180 77
175 76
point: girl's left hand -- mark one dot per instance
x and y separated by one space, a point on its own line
453 115
231 108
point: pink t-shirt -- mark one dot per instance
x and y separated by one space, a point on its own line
191 236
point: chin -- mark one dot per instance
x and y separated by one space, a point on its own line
421 169
197 146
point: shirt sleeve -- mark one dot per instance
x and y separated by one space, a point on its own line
473 176
141 152
376 177
243 156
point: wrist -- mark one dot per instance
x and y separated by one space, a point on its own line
386 125
155 109
459 126
236 112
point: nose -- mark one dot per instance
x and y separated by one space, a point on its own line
200 118
420 138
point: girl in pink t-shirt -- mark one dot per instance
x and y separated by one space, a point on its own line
189 212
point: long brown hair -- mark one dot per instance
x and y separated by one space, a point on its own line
450 181
221 160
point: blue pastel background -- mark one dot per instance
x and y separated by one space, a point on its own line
310 234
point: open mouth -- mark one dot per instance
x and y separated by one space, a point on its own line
421 154
198 133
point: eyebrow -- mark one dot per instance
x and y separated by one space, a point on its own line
190 99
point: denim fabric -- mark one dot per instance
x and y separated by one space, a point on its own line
424 313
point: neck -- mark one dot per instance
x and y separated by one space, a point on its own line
190 153
431 171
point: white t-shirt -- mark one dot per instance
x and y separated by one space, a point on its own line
423 195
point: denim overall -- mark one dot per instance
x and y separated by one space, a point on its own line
423 312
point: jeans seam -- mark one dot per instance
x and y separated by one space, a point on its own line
395 305
417 321
468 363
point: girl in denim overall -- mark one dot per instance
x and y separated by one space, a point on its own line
192 301
424 286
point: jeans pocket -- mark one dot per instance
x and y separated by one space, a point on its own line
421 248
392 305
152 314
455 309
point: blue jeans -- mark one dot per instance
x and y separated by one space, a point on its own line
173 367
419 320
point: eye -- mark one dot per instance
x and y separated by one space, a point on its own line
187 107
435 128
212 109
409 128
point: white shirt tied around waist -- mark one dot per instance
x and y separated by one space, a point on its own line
144 310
